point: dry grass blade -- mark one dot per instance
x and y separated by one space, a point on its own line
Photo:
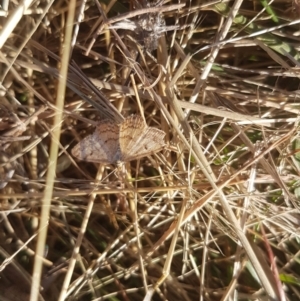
206 210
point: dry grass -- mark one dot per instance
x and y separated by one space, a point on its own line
214 216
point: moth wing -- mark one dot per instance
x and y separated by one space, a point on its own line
131 132
150 142
101 146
